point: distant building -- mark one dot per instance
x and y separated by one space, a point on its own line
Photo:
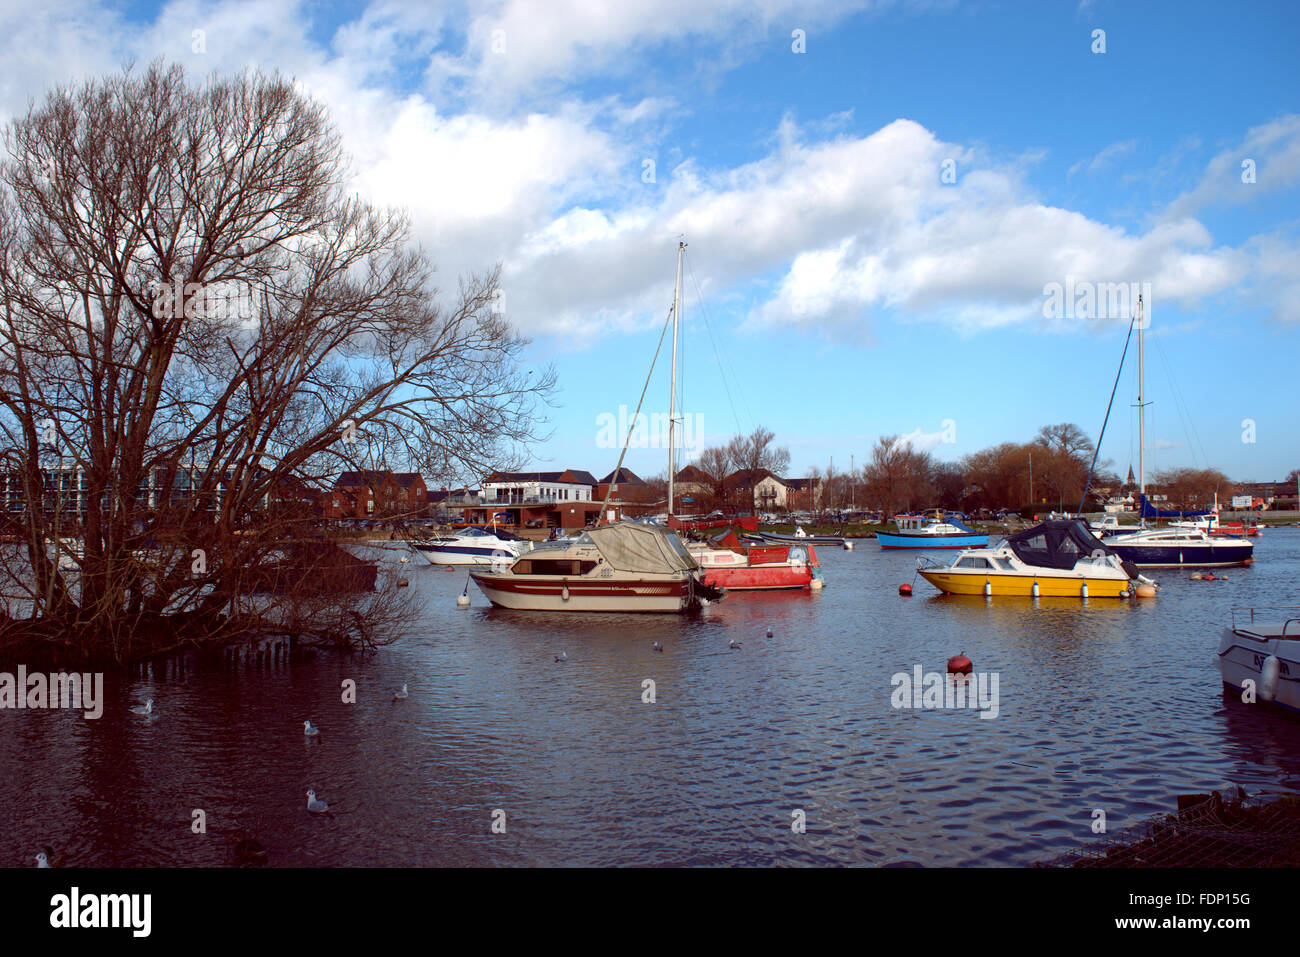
377 493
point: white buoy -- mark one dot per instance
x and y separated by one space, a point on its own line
816 584
1268 678
848 546
462 601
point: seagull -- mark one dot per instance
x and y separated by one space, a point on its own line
308 730
562 656
398 696
658 647
735 643
316 807
42 860
146 708
769 632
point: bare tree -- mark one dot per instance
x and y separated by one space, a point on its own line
898 476
196 319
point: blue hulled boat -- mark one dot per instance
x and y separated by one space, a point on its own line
917 531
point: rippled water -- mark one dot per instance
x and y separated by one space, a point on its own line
1106 705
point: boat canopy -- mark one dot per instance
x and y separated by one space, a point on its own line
1057 543
1150 511
637 547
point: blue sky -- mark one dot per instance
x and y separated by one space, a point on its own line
850 290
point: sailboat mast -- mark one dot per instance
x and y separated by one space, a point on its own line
1142 465
672 395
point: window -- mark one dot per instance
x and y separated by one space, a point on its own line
973 563
552 566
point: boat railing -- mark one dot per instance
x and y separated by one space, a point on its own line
1249 614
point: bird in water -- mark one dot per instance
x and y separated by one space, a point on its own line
308 730
42 860
399 695
658 647
144 709
735 643
562 656
316 807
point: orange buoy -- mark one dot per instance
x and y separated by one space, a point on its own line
905 589
959 665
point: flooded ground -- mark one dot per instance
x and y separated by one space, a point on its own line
1103 705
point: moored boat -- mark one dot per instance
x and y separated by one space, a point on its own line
1172 547
917 531
472 546
737 567
623 567
1262 648
803 538
1057 558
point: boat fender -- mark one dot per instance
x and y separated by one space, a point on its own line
1035 589
1145 591
959 665
816 584
564 592
1269 672
988 588
1083 592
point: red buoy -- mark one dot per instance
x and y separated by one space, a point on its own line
905 589
959 665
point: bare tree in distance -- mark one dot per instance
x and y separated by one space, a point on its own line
188 289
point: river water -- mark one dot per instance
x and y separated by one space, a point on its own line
1102 705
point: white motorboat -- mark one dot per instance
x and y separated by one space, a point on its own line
1260 654
472 546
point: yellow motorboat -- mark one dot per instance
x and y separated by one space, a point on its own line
1058 558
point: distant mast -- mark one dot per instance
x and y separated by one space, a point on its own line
1142 465
672 395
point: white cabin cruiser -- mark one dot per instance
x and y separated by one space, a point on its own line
1263 648
472 546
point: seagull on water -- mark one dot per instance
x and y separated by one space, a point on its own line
146 708
308 730
316 807
42 860
735 643
398 696
562 656
658 647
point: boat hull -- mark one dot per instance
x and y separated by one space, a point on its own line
1022 586
463 554
901 540
1219 554
573 593
759 577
